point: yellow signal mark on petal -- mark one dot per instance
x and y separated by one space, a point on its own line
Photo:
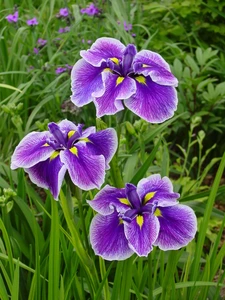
149 196
140 221
85 140
120 221
107 70
124 201
141 79
45 145
145 66
71 133
157 213
115 60
74 151
54 155
119 80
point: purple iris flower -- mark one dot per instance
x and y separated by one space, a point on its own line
134 219
63 30
36 50
32 22
13 18
126 26
91 10
60 70
42 42
64 12
110 72
85 154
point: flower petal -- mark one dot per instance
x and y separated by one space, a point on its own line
150 63
86 83
141 233
103 142
117 88
152 102
31 150
178 226
103 49
48 174
155 188
66 126
85 170
107 238
110 199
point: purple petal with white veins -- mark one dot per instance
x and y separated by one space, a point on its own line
103 142
150 63
117 88
48 174
141 233
103 49
66 126
88 131
110 199
152 102
86 171
86 83
107 237
131 192
31 150
178 226
162 189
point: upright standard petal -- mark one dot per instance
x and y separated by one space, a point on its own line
117 88
150 63
86 83
110 199
103 142
104 48
178 226
85 170
141 233
48 174
107 237
152 102
31 150
155 188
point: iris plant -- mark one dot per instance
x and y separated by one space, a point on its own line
110 72
32 22
133 219
13 18
85 154
91 10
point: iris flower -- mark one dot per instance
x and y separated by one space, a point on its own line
134 219
13 18
85 154
110 72
32 22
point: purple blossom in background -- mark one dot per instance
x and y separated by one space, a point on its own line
64 12
110 72
42 42
134 219
85 154
36 50
86 41
13 18
63 30
60 70
91 10
32 22
126 26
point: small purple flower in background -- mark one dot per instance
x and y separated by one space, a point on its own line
41 42
91 10
13 18
63 12
60 70
134 219
32 22
85 154
36 50
126 26
63 30
86 41
110 72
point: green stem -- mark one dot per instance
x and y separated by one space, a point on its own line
150 282
85 259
